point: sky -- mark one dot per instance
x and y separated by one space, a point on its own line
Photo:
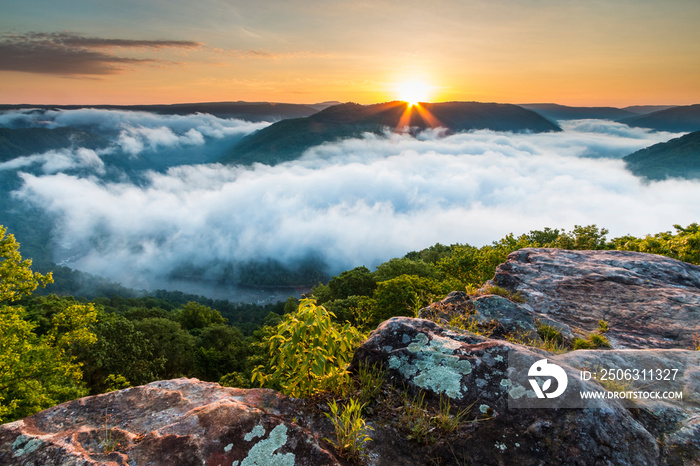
588 52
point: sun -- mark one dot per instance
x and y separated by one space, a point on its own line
413 92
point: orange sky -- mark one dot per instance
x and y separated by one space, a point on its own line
590 52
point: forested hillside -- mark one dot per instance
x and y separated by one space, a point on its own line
677 158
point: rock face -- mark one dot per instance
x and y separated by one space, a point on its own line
176 422
478 372
494 315
649 301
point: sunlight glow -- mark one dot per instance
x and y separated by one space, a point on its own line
413 92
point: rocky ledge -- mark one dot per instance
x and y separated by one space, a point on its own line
649 301
174 422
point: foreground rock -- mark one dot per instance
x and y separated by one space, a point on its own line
474 371
176 422
649 301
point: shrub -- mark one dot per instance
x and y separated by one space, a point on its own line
309 353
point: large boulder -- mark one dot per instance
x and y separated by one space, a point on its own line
649 301
473 371
175 422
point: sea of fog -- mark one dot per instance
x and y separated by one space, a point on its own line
355 202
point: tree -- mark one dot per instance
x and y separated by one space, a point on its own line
16 277
683 245
396 267
404 296
198 316
356 282
120 350
222 349
589 237
170 343
36 371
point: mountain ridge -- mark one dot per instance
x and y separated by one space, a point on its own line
564 112
684 118
677 158
288 139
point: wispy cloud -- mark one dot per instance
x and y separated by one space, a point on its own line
70 54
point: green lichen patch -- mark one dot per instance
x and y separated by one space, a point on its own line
258 431
434 365
23 445
263 452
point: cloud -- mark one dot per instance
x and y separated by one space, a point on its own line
360 201
75 55
58 161
135 132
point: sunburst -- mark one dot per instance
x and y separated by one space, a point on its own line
413 92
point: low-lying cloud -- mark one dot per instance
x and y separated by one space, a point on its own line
55 161
360 201
131 132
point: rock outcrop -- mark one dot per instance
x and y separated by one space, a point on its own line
649 301
473 372
176 422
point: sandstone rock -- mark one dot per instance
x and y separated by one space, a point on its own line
649 301
473 371
176 422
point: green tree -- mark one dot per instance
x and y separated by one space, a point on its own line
396 267
120 349
404 296
356 282
198 316
222 349
683 245
358 310
589 237
172 344
36 371
432 254
16 276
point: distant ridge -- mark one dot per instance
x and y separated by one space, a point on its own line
646 109
677 158
563 112
288 139
251 111
679 119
